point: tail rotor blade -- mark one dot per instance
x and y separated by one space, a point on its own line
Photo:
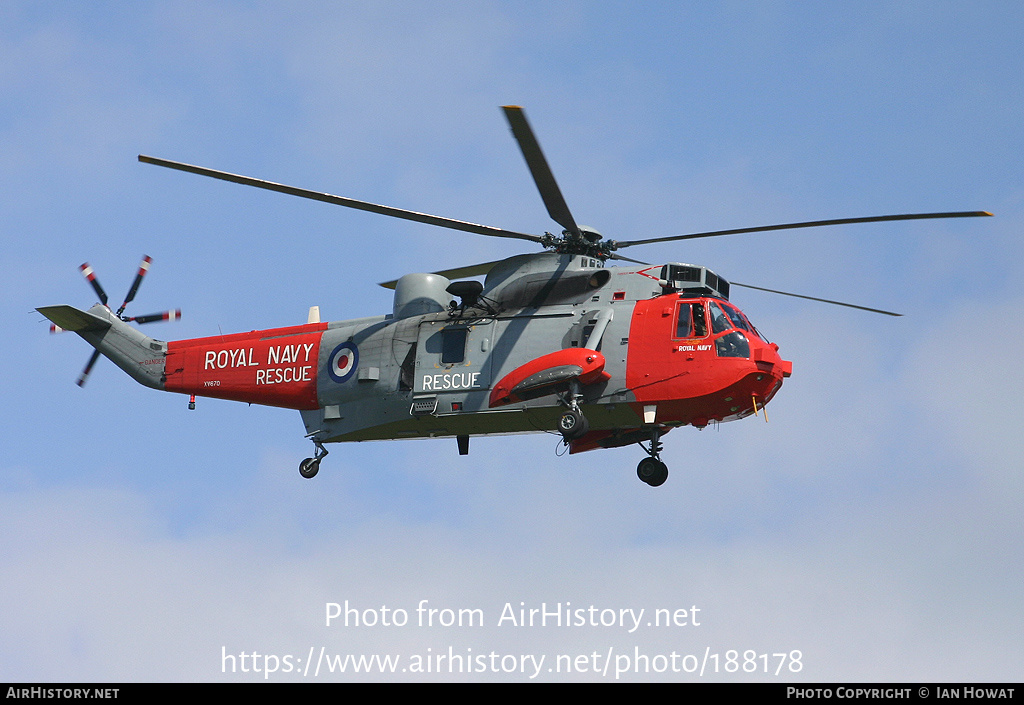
88 368
75 322
172 315
90 276
143 268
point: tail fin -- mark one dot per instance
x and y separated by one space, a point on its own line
70 318
139 355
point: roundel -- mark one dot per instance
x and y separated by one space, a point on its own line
343 362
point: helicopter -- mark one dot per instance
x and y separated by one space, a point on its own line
555 341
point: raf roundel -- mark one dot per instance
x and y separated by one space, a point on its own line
343 362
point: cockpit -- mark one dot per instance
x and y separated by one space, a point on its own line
709 312
707 316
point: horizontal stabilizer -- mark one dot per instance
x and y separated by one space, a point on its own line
70 318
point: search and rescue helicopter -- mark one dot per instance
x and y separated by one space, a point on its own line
550 341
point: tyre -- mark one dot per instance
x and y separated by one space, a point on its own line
573 425
309 467
653 472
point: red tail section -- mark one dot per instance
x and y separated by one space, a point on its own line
276 367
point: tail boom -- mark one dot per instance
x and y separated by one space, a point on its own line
137 354
276 367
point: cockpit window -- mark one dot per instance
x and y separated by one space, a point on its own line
719 321
734 344
691 322
700 325
684 326
741 321
737 318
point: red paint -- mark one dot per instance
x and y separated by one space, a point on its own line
590 361
607 439
276 367
684 376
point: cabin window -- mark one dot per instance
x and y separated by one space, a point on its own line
453 345
405 379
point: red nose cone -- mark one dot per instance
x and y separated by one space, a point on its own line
767 357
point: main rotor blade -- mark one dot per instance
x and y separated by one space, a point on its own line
542 176
143 268
627 259
814 298
90 276
809 224
342 201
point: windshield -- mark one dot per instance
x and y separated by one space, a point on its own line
725 316
719 321
741 321
693 321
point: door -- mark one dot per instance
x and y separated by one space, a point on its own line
453 356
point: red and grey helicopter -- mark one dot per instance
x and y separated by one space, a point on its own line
554 341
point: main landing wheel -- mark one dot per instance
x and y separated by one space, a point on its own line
309 467
653 472
573 424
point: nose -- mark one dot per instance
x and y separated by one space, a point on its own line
766 357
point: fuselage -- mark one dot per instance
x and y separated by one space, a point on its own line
668 356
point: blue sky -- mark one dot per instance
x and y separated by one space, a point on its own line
872 524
